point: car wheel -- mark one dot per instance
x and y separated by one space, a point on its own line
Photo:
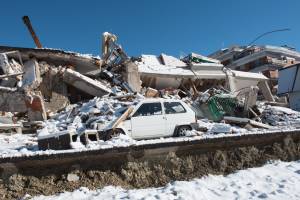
181 130
113 133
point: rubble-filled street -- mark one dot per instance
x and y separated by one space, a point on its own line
143 110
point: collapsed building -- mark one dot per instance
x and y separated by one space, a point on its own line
266 59
36 84
39 82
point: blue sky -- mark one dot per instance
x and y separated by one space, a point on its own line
150 27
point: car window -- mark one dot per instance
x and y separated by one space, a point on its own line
174 107
148 109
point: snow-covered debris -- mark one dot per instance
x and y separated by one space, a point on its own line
98 113
119 141
277 180
280 116
214 128
221 128
17 144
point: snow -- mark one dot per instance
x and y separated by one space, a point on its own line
171 61
284 110
26 145
150 64
88 56
17 144
98 113
276 180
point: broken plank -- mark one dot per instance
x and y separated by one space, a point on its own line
17 127
239 120
122 117
126 96
8 89
265 89
259 124
11 75
85 84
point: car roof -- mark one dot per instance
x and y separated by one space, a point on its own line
160 100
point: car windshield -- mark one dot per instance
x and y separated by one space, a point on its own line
148 109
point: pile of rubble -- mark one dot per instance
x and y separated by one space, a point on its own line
67 96
280 116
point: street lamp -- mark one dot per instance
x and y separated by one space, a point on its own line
267 33
260 36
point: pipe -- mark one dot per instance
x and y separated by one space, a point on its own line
36 40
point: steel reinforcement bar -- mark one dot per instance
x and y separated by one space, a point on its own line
106 159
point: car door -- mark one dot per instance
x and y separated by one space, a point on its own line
175 115
148 121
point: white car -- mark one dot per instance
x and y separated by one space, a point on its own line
155 118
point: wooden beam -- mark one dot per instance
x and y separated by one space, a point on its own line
122 117
10 75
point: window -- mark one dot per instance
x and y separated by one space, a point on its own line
148 109
174 107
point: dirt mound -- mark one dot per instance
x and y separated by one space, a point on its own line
151 173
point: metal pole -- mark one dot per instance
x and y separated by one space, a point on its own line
267 33
36 40
260 36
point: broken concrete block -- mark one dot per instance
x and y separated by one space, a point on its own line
72 177
84 83
89 135
58 141
12 102
221 128
54 91
265 89
31 77
35 108
132 76
4 64
150 92
19 102
10 69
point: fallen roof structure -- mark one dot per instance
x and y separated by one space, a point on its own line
81 63
158 75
